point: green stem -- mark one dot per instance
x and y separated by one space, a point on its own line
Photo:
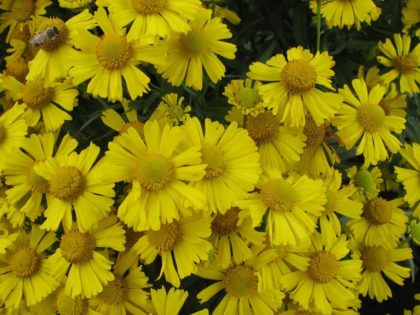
318 25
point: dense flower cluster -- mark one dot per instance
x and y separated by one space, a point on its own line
258 207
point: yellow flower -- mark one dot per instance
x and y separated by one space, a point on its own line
232 160
243 94
365 181
171 111
159 170
411 14
189 53
25 273
16 67
78 257
361 120
292 91
75 184
181 244
154 17
7 235
74 4
410 178
51 101
227 14
404 63
64 304
323 276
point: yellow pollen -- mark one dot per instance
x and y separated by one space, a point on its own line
298 76
226 224
68 183
67 305
214 158
113 52
240 282
194 43
38 183
278 195
248 97
323 267
154 172
138 125
24 262
282 251
315 135
364 179
167 238
36 96
374 258
114 292
405 64
18 68
148 7
59 39
22 9
77 247
378 211
3 133
371 117
263 128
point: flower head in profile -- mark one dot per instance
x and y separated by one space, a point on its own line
404 62
200 47
292 89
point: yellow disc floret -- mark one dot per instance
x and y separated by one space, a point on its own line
114 292
262 128
36 96
67 305
378 211
77 247
67 183
298 76
167 237
405 64
323 267
226 224
278 195
241 282
154 172
113 52
148 7
214 158
24 262
371 117
22 9
374 258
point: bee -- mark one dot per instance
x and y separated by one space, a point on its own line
40 39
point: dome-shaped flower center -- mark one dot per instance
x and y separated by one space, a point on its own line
298 76
263 128
138 125
240 282
167 238
113 52
323 267
315 135
374 258
114 292
67 305
365 180
371 117
378 211
67 183
53 43
248 97
148 7
77 247
24 262
18 68
154 172
36 96
22 10
278 195
226 224
3 133
282 251
194 42
38 183
214 158
405 64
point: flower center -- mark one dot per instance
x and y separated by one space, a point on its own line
298 76
241 282
282 251
36 96
167 237
278 195
77 247
67 305
405 64
113 52
263 128
148 7
315 135
53 43
378 211
214 158
22 10
138 125
18 68
226 224
248 97
374 258
38 183
3 133
67 183
154 172
365 180
371 117
323 267
194 42
115 291
24 262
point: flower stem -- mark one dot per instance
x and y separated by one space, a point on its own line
318 25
